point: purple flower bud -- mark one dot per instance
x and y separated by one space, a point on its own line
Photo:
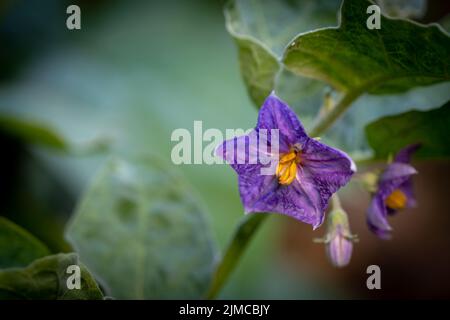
338 240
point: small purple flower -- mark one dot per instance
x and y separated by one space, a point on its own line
305 171
394 192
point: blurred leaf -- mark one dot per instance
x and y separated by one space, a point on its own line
18 247
35 133
141 232
31 132
46 279
33 196
354 59
239 242
430 128
262 29
403 8
445 23
258 67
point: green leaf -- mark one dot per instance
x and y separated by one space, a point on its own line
355 60
18 247
46 279
429 128
239 242
261 30
31 132
140 231
258 68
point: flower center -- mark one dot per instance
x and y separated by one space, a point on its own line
396 200
287 167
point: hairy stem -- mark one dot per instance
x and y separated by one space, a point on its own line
335 202
324 122
241 238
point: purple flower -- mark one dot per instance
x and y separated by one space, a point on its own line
394 192
302 174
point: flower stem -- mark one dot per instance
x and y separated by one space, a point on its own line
324 122
241 237
335 202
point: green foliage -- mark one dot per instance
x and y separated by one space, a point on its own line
359 66
18 247
348 132
354 59
258 67
137 227
140 231
46 279
262 29
429 128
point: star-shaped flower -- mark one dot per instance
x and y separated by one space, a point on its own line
394 192
302 174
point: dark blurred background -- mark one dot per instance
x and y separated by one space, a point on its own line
136 71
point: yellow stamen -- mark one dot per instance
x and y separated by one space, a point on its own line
396 200
288 157
287 168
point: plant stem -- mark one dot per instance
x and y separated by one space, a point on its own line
248 227
324 122
241 238
335 202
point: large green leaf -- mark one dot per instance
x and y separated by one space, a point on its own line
354 59
46 278
262 29
18 247
429 128
139 230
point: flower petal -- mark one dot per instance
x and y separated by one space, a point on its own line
395 174
404 155
244 152
330 167
407 188
323 171
299 201
276 114
377 218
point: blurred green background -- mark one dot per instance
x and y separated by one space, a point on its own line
136 71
